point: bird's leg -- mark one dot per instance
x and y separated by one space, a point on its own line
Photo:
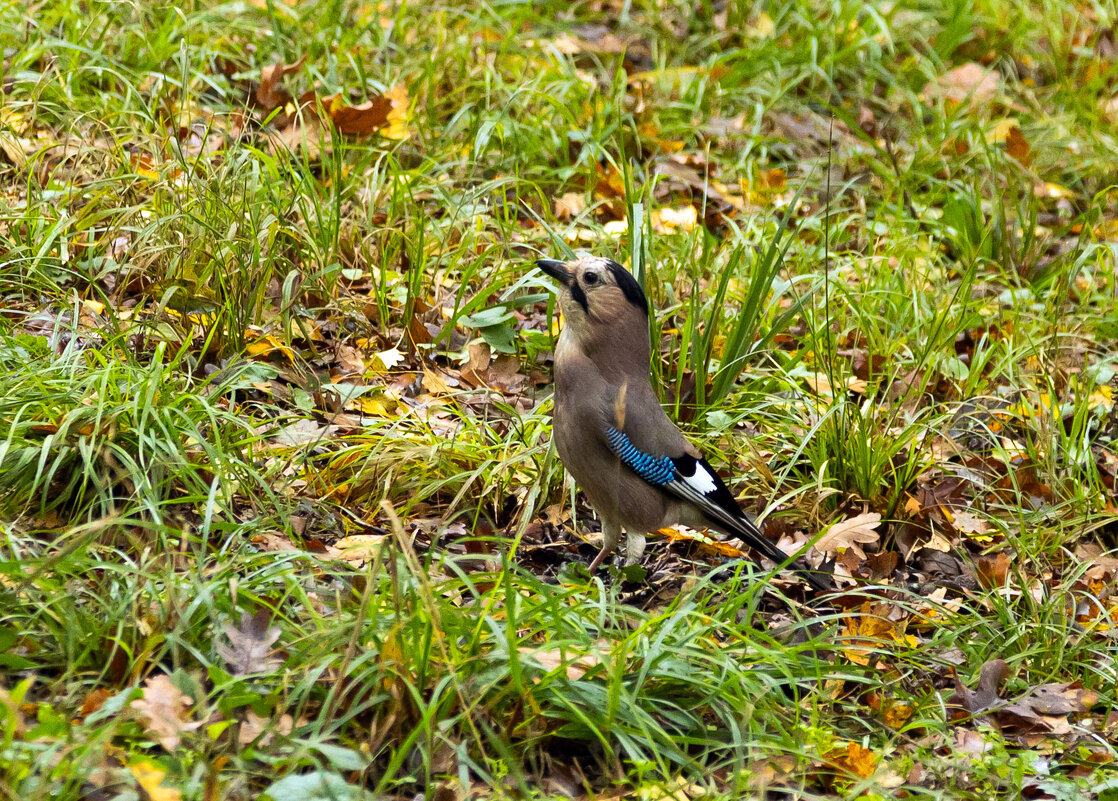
634 547
611 535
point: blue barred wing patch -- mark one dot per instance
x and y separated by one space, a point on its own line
658 470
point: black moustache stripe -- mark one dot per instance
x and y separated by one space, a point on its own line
579 296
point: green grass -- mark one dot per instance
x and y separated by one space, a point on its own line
223 352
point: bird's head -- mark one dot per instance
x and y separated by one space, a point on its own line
598 295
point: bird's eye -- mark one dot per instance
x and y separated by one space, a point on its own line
590 279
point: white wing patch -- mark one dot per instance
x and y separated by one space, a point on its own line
702 482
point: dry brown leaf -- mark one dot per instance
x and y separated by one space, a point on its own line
1061 699
271 93
851 534
384 114
435 383
95 700
570 205
969 523
359 548
302 431
250 649
970 83
272 541
1017 146
551 659
163 710
361 120
992 570
255 725
972 702
971 743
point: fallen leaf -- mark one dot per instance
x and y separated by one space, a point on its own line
254 726
95 700
970 82
271 93
552 659
1017 146
570 205
853 758
761 28
971 743
990 678
359 548
668 220
150 778
266 345
250 648
1061 699
387 359
850 534
870 629
992 570
163 711
301 432
375 114
969 523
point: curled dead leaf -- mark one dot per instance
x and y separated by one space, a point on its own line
271 93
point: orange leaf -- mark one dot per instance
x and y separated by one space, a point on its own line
1017 146
853 759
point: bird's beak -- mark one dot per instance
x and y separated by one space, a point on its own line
556 269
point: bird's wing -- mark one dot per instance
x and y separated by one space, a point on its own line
692 479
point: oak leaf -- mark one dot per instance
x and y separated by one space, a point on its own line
250 645
163 710
851 534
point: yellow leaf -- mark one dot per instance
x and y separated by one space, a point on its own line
387 359
762 28
376 405
397 127
1107 230
1049 189
434 383
1101 398
268 344
669 220
999 132
150 778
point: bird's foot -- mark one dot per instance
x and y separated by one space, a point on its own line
601 557
634 548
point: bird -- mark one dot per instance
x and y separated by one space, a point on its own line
635 466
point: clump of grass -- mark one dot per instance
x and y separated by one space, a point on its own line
93 432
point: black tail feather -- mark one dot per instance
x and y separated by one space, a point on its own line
747 531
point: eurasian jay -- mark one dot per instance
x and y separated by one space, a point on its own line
637 469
